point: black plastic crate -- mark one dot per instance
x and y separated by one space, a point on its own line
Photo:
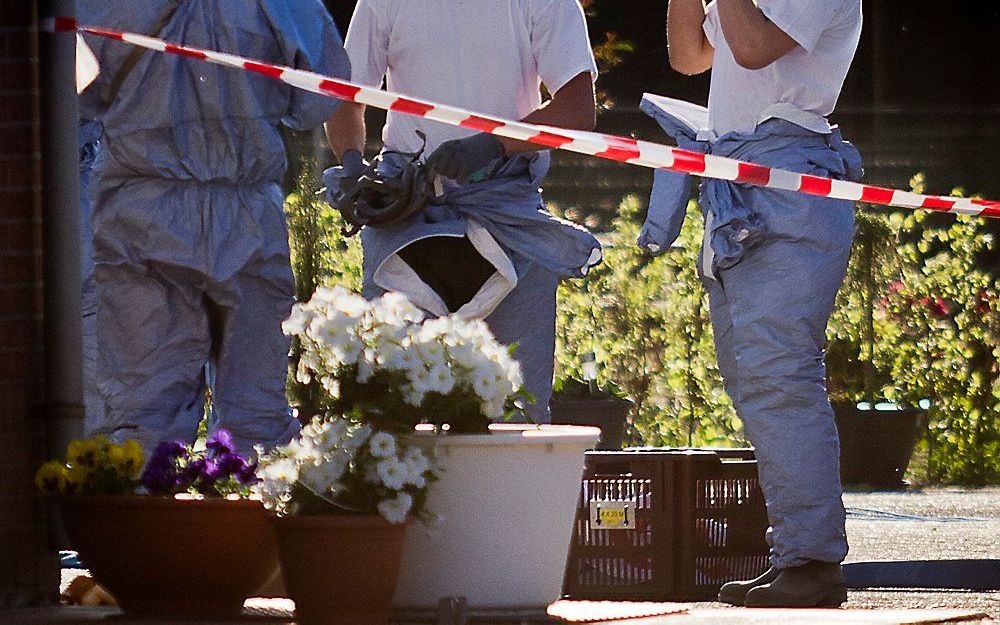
666 524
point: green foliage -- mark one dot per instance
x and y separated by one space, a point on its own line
646 318
943 343
917 319
854 332
321 256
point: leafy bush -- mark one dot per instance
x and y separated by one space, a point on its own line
942 342
917 319
646 318
321 256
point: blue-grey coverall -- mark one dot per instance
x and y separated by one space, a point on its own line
190 241
543 249
777 259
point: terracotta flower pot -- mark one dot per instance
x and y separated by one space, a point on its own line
173 558
340 570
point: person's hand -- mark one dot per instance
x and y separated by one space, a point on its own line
340 180
458 159
353 164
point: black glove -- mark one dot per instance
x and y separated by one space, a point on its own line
459 159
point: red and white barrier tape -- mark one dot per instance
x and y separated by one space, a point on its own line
615 148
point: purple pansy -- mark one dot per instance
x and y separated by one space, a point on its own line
210 473
172 468
221 442
247 474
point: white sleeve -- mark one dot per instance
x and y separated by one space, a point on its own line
560 42
367 43
802 20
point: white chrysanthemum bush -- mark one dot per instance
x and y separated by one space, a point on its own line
336 466
382 362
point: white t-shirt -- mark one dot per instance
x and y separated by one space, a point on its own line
803 85
488 56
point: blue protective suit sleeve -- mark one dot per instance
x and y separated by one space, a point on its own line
310 41
303 32
671 190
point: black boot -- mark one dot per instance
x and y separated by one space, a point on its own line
735 593
815 584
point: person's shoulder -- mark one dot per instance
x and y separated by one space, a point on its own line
551 11
847 16
550 5
384 9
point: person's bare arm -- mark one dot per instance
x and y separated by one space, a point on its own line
754 40
345 130
687 46
573 106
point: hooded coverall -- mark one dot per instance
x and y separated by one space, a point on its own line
190 241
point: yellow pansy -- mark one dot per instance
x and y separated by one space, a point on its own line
51 477
84 452
126 459
77 475
134 457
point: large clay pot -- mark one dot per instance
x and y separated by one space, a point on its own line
175 559
340 570
507 501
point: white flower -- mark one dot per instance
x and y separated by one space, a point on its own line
334 435
277 477
393 473
322 478
440 379
366 367
305 453
483 381
302 373
416 465
396 310
351 304
420 379
383 445
331 385
296 322
357 438
395 510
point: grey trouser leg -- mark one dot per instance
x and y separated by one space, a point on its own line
153 339
769 316
251 361
527 316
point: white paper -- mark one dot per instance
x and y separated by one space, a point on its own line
87 67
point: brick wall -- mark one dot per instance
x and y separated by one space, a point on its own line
28 571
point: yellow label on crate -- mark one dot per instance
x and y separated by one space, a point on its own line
612 515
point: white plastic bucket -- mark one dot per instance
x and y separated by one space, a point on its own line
507 500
